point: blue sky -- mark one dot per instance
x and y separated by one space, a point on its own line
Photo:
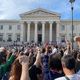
10 9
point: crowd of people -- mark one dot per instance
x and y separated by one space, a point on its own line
40 62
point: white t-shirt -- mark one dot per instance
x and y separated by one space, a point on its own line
54 50
66 52
71 77
78 72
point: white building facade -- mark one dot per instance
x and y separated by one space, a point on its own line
38 25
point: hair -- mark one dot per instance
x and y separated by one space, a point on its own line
68 61
43 50
78 57
55 62
2 57
77 38
75 53
49 49
16 70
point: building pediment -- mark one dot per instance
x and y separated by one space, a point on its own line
39 12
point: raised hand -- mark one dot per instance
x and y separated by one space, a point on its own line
23 59
77 40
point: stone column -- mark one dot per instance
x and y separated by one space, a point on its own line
28 32
58 31
35 33
43 32
50 31
22 32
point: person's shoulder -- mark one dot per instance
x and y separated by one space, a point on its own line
74 77
77 76
11 78
60 78
78 72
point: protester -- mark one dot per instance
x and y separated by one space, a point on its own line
77 68
5 64
68 65
55 69
31 61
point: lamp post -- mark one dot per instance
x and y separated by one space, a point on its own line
72 1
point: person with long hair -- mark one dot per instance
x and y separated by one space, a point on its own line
16 70
19 70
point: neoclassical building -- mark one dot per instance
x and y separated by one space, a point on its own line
38 25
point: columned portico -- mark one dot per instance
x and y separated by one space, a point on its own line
28 32
22 31
40 26
50 31
41 35
35 33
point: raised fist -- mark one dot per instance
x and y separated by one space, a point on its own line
77 39
23 59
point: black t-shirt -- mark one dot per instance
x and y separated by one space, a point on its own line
55 75
34 71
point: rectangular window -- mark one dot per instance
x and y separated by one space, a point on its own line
1 37
62 27
1 27
9 38
10 27
63 38
18 27
18 37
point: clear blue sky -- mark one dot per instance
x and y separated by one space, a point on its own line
10 9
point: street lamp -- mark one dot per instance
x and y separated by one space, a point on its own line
72 1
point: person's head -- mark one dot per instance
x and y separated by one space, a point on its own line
55 62
48 49
16 70
75 53
68 63
43 50
2 57
2 49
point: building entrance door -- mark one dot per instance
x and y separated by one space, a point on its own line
39 38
